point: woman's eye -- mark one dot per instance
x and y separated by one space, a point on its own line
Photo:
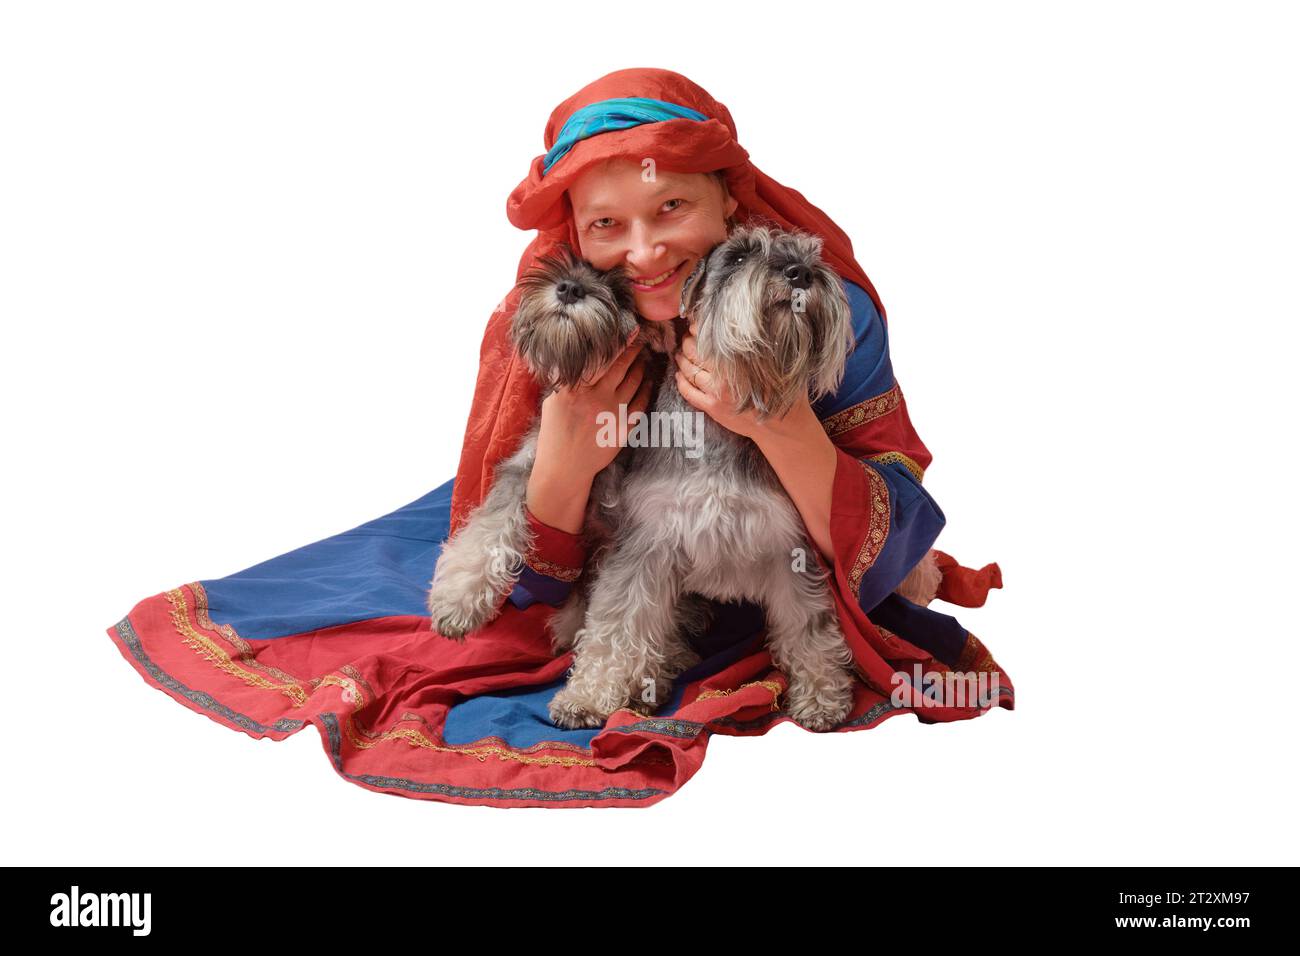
597 223
673 200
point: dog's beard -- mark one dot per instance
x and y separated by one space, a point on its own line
565 344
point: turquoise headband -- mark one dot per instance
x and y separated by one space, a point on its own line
610 115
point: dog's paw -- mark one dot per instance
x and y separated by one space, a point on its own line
647 698
451 619
574 711
819 707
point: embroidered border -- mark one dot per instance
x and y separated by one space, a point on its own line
210 651
975 657
878 528
558 571
862 412
772 686
413 736
888 457
492 740
330 722
202 699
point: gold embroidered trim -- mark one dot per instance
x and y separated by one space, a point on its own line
862 412
413 737
886 635
246 655
886 457
210 651
771 685
493 740
351 671
975 657
558 571
356 690
877 529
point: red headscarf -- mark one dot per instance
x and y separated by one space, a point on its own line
506 396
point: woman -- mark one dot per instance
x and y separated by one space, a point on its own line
642 171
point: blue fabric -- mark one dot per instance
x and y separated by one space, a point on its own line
379 569
519 717
620 113
868 372
936 633
533 586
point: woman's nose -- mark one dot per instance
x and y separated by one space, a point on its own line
645 250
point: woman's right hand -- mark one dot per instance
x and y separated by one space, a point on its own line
568 455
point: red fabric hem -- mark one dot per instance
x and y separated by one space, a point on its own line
381 725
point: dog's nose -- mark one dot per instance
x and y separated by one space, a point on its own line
799 275
568 291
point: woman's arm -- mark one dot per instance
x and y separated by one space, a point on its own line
564 469
804 460
556 495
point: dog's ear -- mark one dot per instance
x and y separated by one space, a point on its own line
834 337
692 286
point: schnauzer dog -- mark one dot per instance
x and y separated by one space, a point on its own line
572 321
773 322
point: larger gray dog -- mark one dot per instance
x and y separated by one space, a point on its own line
773 322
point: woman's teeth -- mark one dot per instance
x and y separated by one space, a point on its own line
657 279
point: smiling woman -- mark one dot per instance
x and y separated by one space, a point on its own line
337 634
655 228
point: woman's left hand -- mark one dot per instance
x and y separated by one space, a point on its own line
710 395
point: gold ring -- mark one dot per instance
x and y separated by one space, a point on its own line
693 374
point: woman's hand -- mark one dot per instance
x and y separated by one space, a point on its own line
711 396
568 455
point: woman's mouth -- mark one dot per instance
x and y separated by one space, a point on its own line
660 282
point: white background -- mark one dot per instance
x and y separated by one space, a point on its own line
248 252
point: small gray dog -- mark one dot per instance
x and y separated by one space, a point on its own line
773 322
572 321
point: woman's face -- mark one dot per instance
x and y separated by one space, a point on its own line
649 228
